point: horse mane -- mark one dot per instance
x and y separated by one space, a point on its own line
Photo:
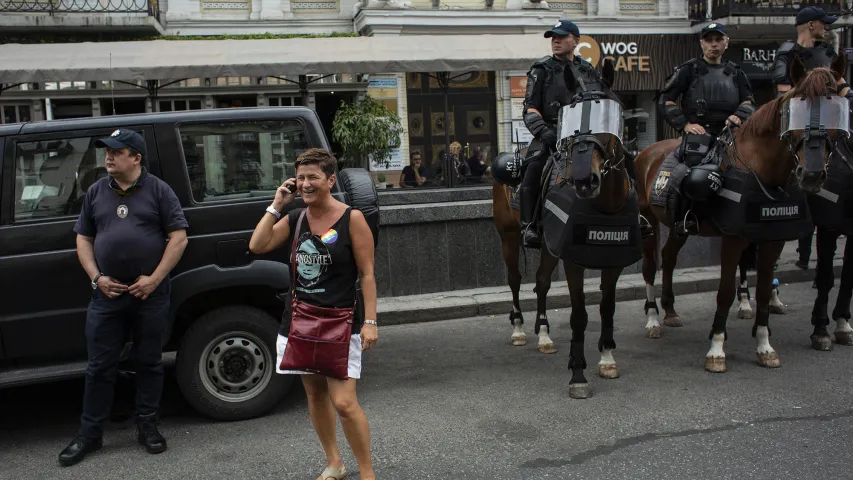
766 120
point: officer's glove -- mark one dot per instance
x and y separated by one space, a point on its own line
549 138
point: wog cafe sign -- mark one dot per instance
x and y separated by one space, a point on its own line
626 56
642 61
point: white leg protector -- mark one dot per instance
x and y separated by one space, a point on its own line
653 329
762 337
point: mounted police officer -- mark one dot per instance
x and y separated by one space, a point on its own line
814 51
546 93
714 94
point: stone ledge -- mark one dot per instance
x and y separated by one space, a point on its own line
498 300
418 196
435 212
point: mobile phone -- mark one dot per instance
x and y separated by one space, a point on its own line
291 187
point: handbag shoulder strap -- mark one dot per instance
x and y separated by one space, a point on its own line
294 237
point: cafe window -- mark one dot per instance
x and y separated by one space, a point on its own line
16 113
290 101
227 161
178 105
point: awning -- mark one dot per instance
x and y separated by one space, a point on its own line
177 59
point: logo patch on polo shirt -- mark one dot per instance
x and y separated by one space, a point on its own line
121 211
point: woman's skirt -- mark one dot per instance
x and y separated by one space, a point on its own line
353 369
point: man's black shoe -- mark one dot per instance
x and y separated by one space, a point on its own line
531 238
77 450
149 436
802 264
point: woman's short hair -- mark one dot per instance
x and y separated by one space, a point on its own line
318 156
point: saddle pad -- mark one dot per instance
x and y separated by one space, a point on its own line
666 188
832 206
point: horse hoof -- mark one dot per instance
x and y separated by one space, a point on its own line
580 390
548 348
519 341
715 364
745 313
673 321
777 309
653 332
821 343
608 371
844 338
769 360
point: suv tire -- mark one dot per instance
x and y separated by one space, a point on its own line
226 364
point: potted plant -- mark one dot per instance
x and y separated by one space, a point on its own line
380 181
366 131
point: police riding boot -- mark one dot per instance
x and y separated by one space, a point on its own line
148 435
530 235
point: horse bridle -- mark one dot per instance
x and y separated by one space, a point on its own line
584 142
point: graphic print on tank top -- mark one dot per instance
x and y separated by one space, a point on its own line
312 261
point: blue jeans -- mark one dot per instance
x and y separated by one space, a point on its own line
108 322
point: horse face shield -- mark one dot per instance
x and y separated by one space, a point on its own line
812 127
585 130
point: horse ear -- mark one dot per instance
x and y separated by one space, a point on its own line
569 78
797 71
839 65
608 72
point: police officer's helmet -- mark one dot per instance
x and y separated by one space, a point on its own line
506 169
702 182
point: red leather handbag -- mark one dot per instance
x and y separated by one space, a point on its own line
319 337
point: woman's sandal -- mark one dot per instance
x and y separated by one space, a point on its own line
334 473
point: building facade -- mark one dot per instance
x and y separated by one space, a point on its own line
645 38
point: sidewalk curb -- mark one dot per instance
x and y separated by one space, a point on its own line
498 300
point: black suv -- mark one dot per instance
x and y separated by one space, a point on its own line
225 166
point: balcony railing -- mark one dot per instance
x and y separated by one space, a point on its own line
697 9
147 7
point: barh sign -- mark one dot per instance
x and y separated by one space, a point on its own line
756 61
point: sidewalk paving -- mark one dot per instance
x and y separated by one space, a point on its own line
498 300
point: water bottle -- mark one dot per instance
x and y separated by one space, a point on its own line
776 284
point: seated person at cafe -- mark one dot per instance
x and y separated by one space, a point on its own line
414 174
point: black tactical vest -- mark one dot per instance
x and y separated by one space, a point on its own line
556 93
713 94
820 55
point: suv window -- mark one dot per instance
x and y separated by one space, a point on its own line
241 160
51 176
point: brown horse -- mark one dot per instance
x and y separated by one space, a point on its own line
756 146
604 182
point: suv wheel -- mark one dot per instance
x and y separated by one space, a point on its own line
226 364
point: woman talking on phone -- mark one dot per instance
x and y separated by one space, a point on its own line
322 336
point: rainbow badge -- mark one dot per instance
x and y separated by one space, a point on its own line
330 236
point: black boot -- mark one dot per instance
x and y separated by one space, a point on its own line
148 435
529 227
77 450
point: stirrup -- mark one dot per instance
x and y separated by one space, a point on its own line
646 228
683 230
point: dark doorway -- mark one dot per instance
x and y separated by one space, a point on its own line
63 109
327 105
236 101
123 106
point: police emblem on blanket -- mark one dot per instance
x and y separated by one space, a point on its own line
832 206
578 233
667 187
742 208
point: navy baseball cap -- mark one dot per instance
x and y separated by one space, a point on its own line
123 138
563 28
810 14
713 27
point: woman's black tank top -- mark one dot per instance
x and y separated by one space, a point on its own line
326 273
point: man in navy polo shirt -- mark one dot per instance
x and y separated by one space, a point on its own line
130 234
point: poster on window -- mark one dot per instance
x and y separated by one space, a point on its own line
520 133
517 108
394 163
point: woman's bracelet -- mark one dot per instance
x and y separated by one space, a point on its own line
370 322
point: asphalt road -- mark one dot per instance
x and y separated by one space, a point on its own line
453 400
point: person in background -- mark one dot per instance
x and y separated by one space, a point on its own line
338 245
130 235
414 174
